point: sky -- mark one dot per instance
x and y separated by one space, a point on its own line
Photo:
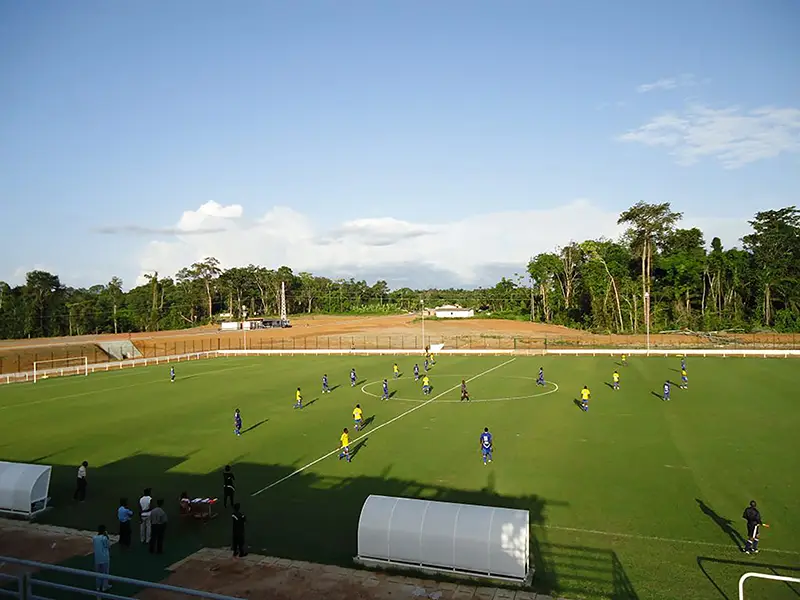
426 143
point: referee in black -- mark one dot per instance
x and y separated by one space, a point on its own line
228 486
753 518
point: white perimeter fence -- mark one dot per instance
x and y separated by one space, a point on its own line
27 376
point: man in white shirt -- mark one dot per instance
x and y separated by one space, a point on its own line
80 488
145 504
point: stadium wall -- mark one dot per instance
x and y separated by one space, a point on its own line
27 376
20 359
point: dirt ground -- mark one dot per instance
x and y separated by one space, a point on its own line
47 545
390 332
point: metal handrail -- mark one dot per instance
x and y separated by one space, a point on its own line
746 576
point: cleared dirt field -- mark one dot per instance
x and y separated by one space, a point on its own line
392 332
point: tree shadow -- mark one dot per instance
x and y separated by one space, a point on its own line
367 422
309 516
255 425
784 570
722 523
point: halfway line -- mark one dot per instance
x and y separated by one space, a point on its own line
381 426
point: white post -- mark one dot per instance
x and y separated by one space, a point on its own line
244 330
647 318
747 576
422 304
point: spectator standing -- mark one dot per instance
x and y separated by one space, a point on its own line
145 503
228 486
158 520
80 487
102 558
238 531
124 514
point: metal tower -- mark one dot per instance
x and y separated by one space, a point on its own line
284 316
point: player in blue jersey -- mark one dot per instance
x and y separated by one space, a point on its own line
385 390
426 365
683 363
416 372
666 391
325 388
172 374
237 422
486 445
684 380
540 379
353 378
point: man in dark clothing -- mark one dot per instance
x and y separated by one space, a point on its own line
158 524
228 486
80 488
753 518
238 531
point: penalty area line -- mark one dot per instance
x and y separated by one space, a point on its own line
652 538
381 426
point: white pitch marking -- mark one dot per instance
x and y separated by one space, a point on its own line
118 387
374 429
656 539
507 399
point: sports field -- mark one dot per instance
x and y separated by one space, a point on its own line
636 498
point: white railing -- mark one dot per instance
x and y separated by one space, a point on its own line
147 362
747 576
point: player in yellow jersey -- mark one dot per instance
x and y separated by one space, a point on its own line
358 416
344 441
684 380
396 371
615 380
426 385
298 399
585 394
624 361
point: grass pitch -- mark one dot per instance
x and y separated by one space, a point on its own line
637 498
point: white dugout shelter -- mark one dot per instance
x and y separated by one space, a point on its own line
464 539
24 489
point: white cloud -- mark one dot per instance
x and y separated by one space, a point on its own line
472 250
666 84
733 137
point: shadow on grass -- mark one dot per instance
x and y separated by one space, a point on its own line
308 516
610 385
307 404
746 565
392 394
367 422
725 524
335 387
358 447
255 426
657 395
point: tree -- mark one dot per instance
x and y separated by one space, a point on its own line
648 225
207 271
596 251
115 294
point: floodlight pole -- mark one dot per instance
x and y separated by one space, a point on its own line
244 329
647 318
422 311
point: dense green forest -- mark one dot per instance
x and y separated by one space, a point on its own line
602 285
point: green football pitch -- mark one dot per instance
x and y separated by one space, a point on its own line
636 498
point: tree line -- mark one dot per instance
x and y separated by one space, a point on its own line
656 274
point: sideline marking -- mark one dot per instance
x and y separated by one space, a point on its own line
506 399
118 387
381 426
656 538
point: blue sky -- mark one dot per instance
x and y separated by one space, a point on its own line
421 142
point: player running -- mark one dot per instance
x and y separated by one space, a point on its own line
416 372
237 422
615 380
624 361
585 395
684 380
426 385
486 445
353 378
385 390
298 399
396 371
344 441
667 389
358 417
426 365
464 391
683 363
540 379
172 374
325 388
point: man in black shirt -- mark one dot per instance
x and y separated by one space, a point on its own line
239 520
753 518
228 486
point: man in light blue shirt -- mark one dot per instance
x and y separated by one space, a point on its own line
124 514
102 557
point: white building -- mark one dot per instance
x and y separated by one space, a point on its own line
453 311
